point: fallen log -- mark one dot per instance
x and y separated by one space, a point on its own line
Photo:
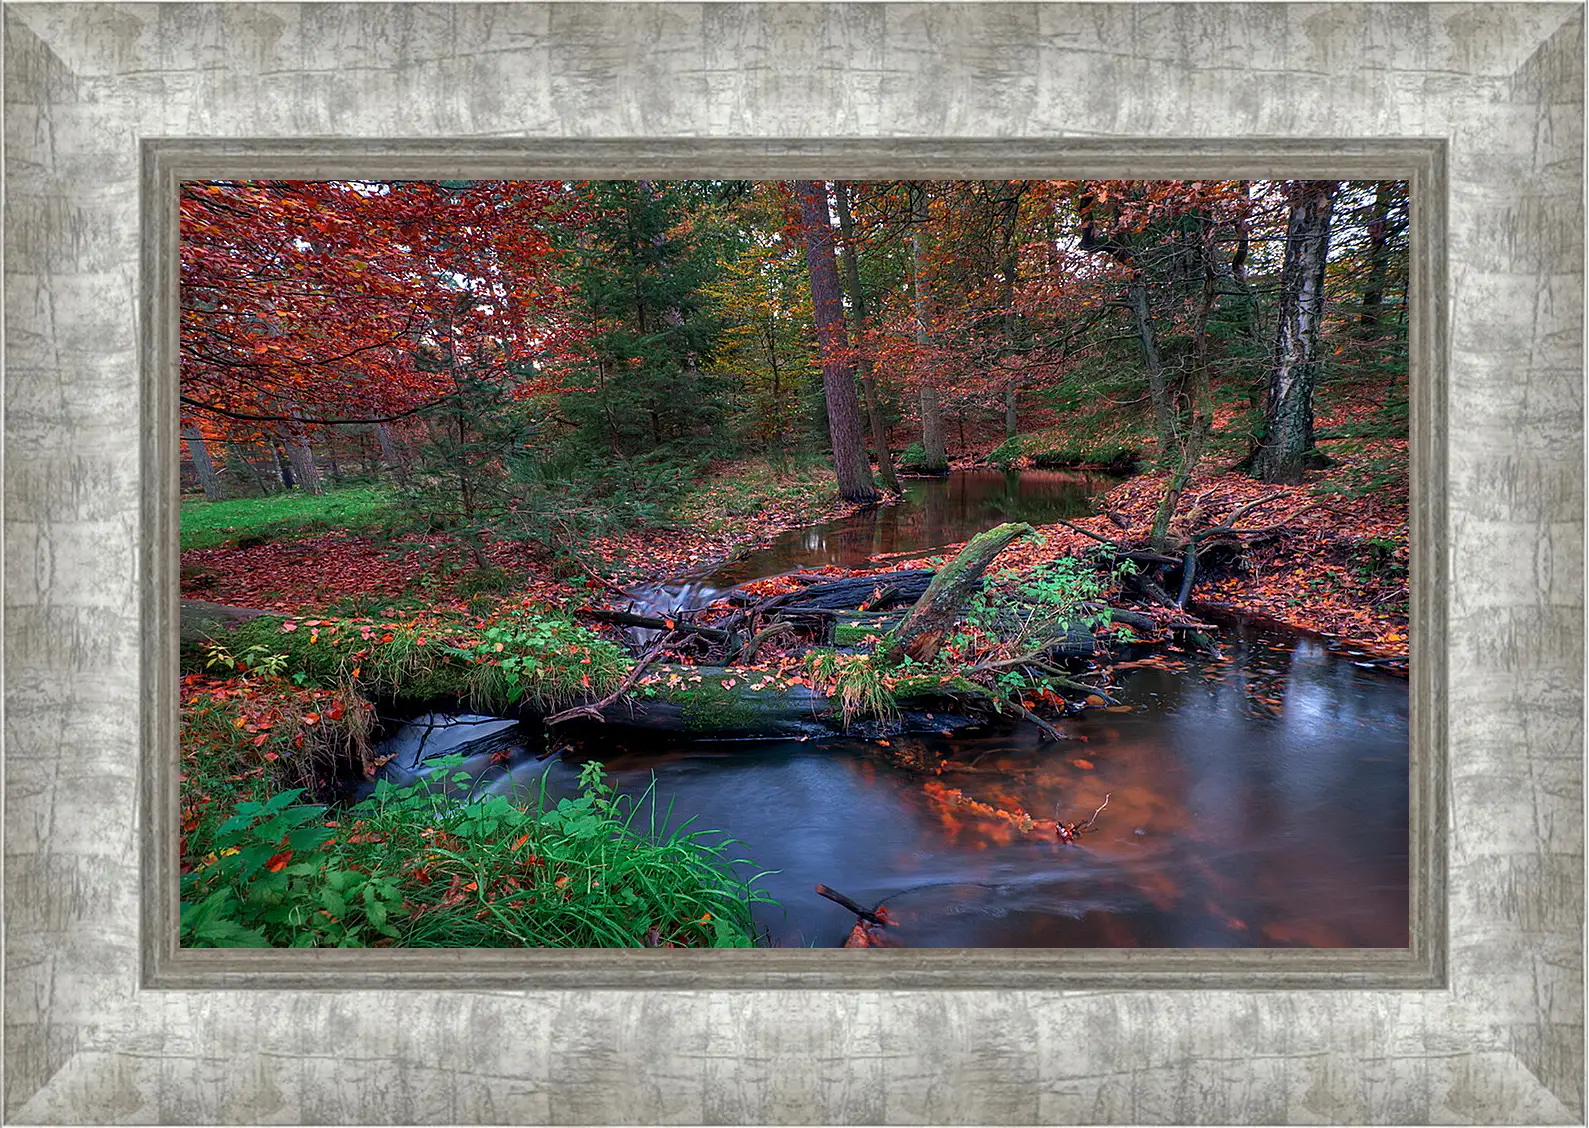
652 622
848 594
922 633
734 703
202 621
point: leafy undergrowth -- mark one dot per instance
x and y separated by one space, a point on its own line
1337 566
517 656
413 867
214 524
294 565
246 735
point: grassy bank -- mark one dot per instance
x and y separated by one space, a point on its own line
286 515
411 867
278 711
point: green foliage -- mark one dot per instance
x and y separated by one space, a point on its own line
541 658
856 681
1026 610
913 459
519 655
215 524
412 867
1008 453
719 503
465 476
571 495
1115 459
251 892
639 266
256 657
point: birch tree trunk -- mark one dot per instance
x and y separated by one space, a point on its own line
1287 438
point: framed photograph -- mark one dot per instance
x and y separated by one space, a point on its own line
464 557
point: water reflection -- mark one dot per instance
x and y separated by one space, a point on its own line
933 512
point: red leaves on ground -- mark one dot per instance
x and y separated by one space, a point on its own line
315 571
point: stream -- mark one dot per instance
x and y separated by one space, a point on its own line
1258 799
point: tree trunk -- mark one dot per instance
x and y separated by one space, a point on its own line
301 456
1378 238
852 274
921 634
1009 280
259 479
935 457
1190 448
838 378
390 455
1287 437
1158 386
283 464
202 466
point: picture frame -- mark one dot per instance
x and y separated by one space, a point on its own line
1479 1020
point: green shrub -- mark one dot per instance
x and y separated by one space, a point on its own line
913 459
520 656
410 866
1008 453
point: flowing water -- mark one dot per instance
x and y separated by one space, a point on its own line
1260 799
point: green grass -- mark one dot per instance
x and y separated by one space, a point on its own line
214 524
413 867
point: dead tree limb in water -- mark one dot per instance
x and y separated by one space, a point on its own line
922 633
594 708
855 907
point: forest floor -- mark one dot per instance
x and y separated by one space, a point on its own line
284 553
1337 567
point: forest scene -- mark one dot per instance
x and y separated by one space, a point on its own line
717 563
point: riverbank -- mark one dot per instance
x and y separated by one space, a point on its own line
277 554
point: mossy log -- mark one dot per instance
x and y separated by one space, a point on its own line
879 590
922 633
736 704
202 621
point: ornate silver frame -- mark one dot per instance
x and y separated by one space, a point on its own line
167 163
1481 1020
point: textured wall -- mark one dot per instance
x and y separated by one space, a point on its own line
1502 83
